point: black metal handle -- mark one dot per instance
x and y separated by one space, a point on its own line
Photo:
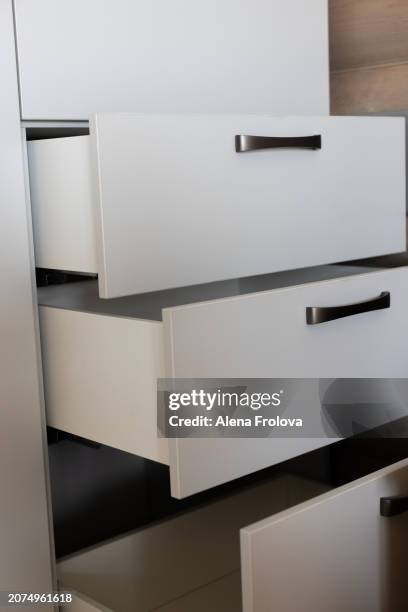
317 314
252 143
390 506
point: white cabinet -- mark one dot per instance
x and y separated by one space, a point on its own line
151 201
77 57
332 553
101 359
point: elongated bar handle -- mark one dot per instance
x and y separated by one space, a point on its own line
252 143
391 506
318 314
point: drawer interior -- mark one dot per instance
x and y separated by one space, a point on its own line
182 563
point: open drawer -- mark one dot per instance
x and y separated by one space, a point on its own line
155 201
188 563
345 551
335 552
101 359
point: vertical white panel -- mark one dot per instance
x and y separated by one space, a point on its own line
25 552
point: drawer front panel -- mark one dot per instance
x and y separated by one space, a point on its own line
177 205
331 554
77 57
266 335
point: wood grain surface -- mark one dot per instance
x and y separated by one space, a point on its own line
370 90
368 32
368 56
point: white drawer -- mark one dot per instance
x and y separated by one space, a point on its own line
101 359
170 202
81 56
335 553
180 564
331 553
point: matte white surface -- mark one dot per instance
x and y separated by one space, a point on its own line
156 565
176 205
100 378
331 554
77 57
61 200
26 555
265 335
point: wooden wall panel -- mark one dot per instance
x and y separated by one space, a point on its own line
370 90
368 32
369 55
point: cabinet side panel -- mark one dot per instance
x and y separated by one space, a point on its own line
25 557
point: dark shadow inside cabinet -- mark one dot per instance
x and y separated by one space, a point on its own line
99 492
